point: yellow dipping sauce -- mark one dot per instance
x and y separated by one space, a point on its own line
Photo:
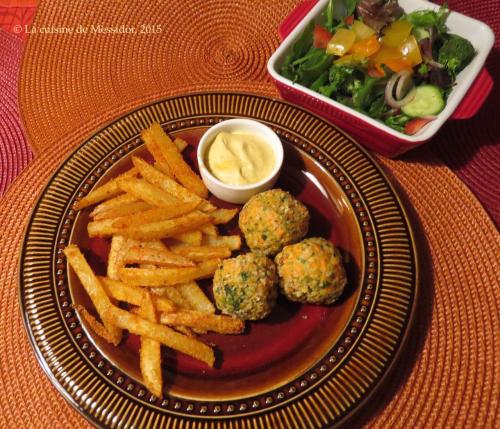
240 158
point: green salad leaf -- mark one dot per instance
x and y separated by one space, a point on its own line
397 122
336 11
360 81
430 18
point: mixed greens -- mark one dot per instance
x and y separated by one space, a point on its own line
370 55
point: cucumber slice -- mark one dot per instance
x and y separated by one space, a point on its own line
428 101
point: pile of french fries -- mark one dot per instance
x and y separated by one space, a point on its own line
164 237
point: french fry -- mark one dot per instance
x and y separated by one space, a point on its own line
186 331
116 257
154 149
102 228
167 276
181 144
164 229
112 203
160 258
158 178
150 353
173 295
164 304
223 215
209 322
94 324
207 207
108 190
192 238
94 289
195 297
154 244
155 215
202 253
179 167
162 181
123 210
231 241
161 333
182 329
147 192
135 295
209 230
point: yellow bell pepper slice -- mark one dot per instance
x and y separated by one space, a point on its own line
396 34
341 42
366 47
362 30
411 51
392 58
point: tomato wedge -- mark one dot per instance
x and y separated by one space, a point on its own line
349 20
415 125
321 37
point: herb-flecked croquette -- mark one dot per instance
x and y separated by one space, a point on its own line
273 219
246 286
311 271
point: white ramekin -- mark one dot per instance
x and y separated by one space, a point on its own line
239 194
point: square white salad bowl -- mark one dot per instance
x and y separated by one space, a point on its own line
470 91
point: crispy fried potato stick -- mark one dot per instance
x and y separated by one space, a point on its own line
167 276
108 190
196 297
112 203
202 253
150 353
173 295
155 215
208 322
154 244
192 238
231 241
162 181
134 295
94 289
124 210
94 324
166 228
209 230
116 257
139 326
181 144
102 228
223 215
149 225
147 192
154 149
183 173
160 258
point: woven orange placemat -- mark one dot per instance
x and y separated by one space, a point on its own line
73 84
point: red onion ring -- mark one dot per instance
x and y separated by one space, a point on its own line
395 81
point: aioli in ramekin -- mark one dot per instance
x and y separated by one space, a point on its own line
240 158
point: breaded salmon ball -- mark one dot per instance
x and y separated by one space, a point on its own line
273 219
246 286
311 271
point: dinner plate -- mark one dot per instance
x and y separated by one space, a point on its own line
304 366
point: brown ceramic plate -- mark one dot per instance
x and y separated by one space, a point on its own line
305 366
